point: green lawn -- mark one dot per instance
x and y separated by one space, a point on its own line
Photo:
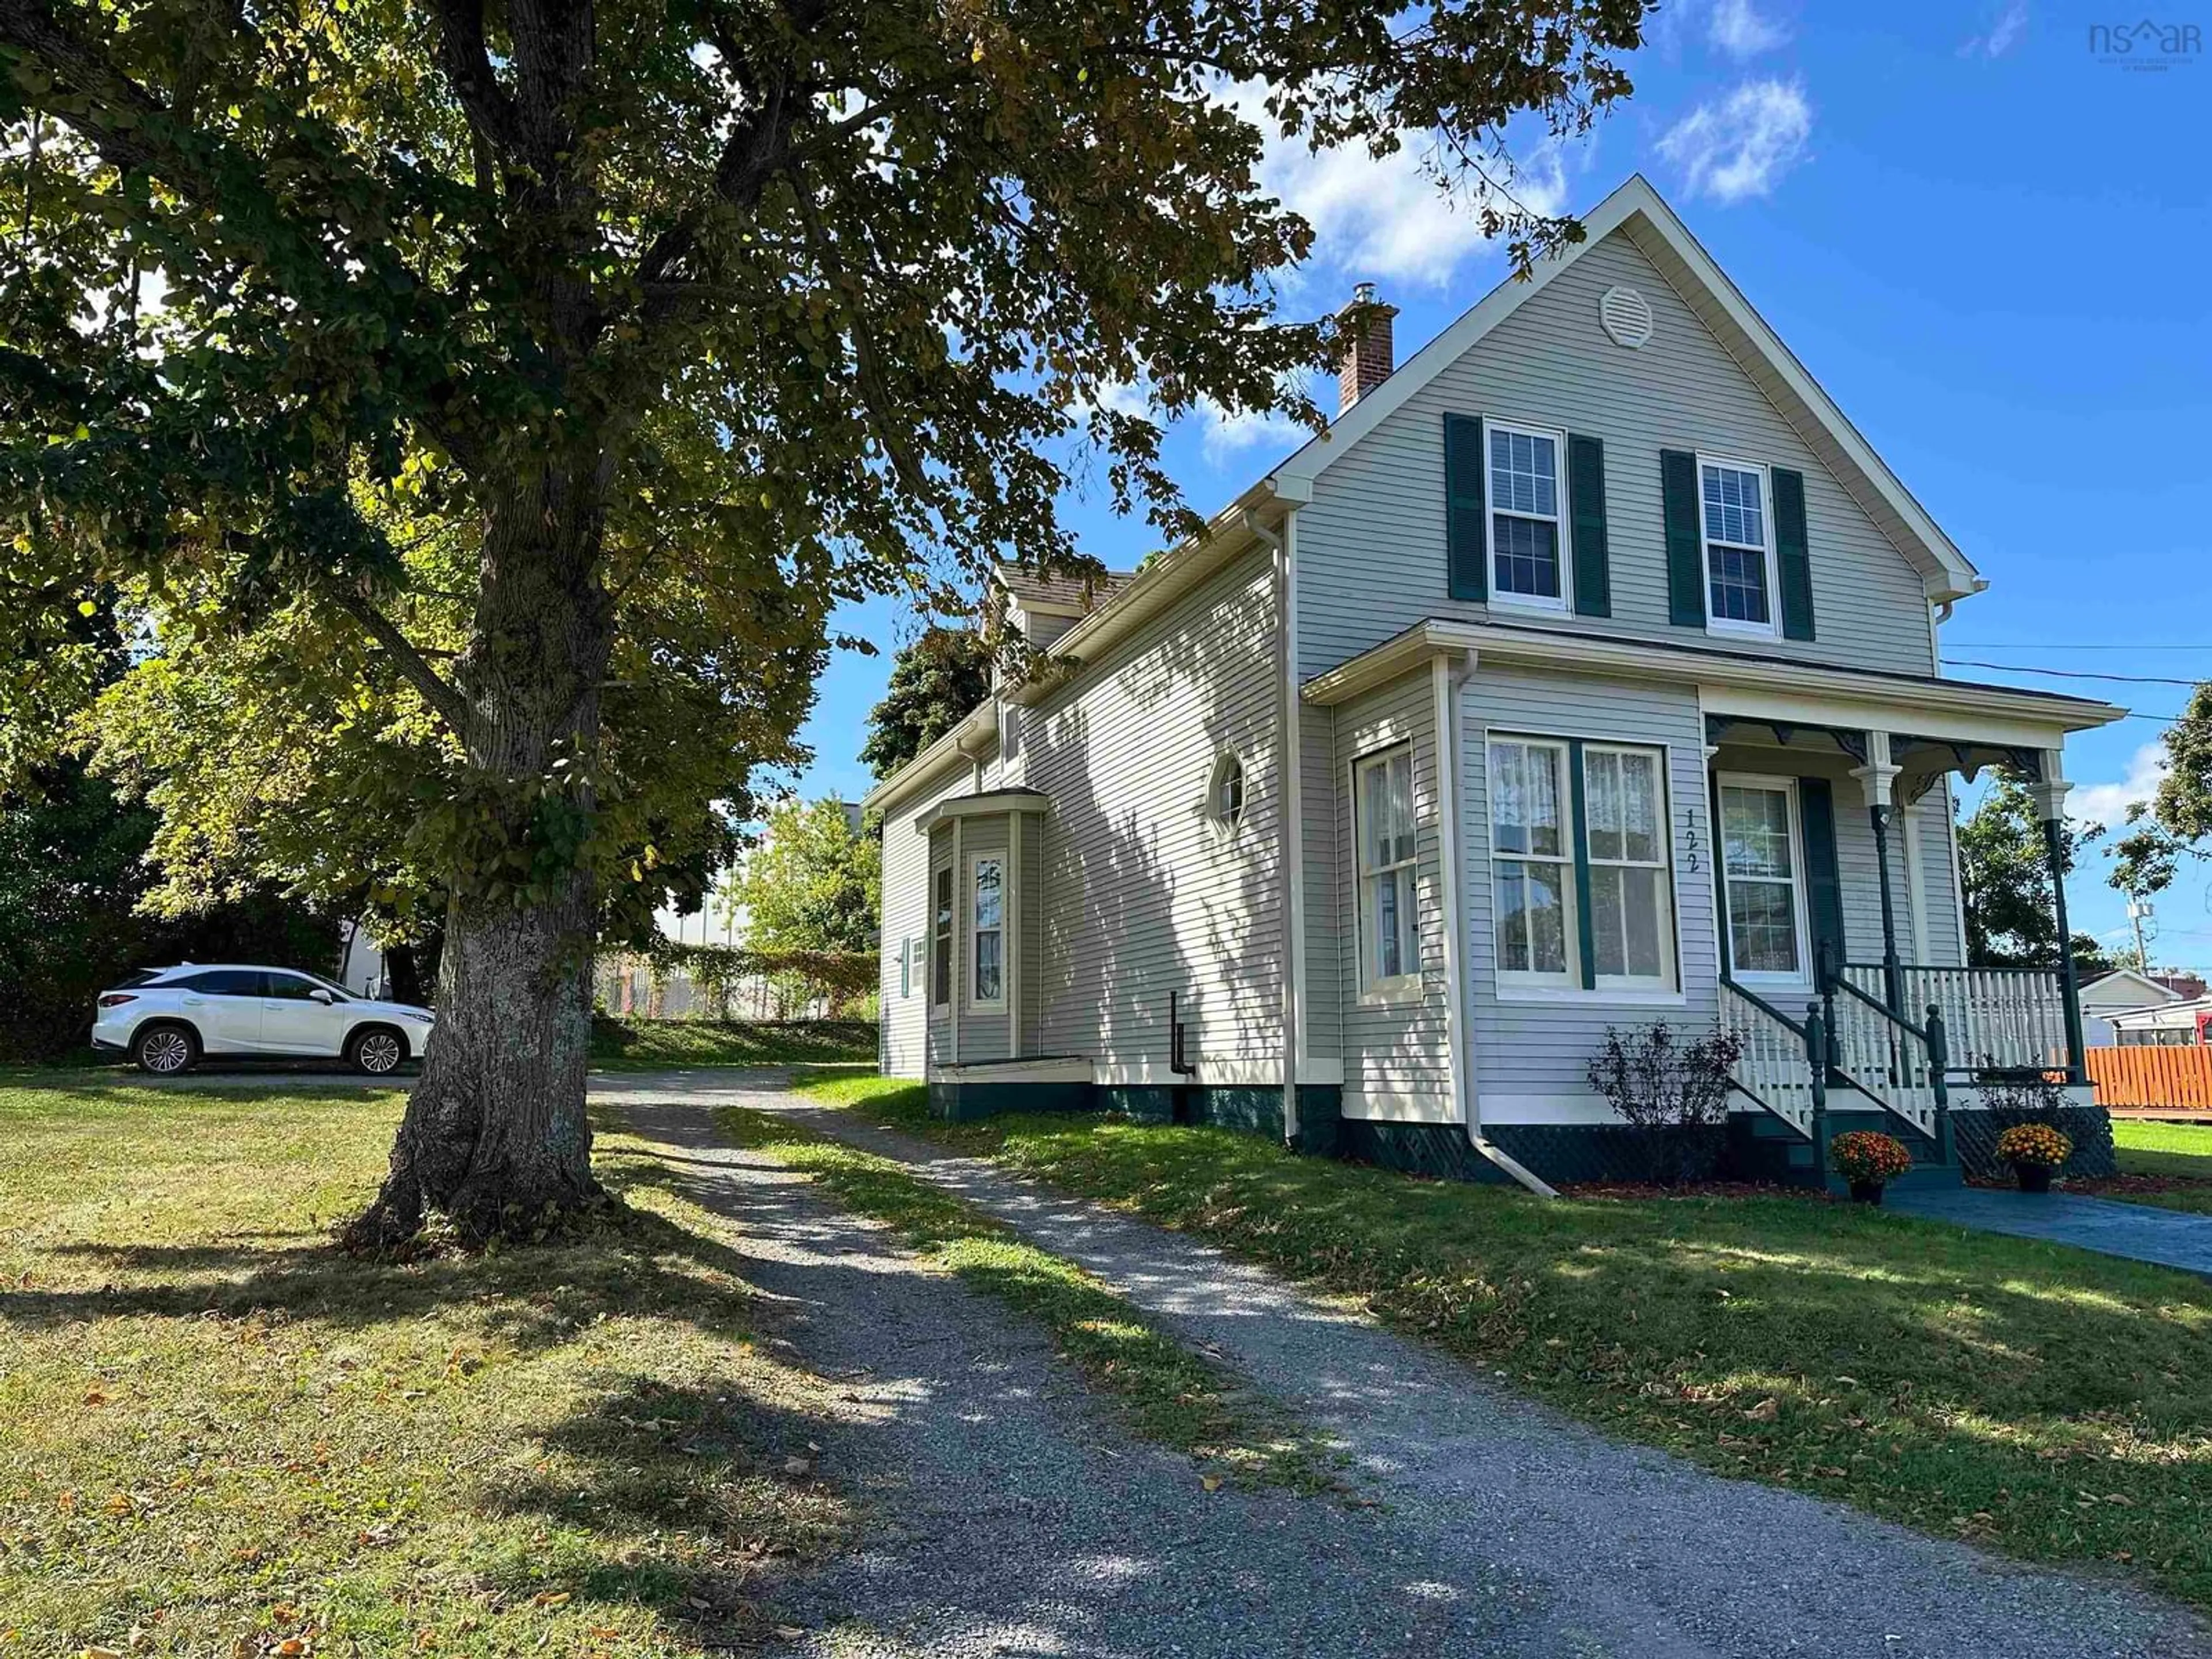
652 1045
1166 1392
2176 1153
218 1436
2046 1401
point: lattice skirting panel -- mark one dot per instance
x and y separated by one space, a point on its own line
2089 1127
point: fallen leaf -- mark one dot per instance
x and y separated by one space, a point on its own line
550 1599
1765 1411
1210 1482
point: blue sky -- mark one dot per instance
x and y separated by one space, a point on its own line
1986 240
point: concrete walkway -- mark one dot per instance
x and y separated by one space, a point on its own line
2142 1232
1015 1518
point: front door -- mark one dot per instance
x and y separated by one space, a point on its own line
293 1019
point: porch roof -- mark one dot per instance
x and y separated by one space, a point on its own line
1757 685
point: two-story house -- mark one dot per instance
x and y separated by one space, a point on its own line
1583 673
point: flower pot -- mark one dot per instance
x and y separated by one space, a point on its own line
1866 1192
2034 1177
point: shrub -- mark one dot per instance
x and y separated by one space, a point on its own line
2034 1143
1868 1155
1666 1088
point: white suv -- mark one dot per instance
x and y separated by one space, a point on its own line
166 1019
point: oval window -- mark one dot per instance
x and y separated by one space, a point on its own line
1224 796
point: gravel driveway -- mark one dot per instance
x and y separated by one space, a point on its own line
1015 1518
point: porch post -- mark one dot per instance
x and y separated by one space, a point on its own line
2050 791
1878 778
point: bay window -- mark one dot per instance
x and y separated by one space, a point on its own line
1531 861
1382 803
988 934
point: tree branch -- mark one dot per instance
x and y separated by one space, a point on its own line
443 697
466 62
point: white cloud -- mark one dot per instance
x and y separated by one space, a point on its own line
1225 434
2003 35
1388 220
2107 803
1738 29
1742 146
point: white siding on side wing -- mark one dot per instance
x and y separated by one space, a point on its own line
1371 550
1395 1051
905 921
1324 921
1141 897
1542 1046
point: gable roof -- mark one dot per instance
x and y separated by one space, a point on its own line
1637 211
2152 993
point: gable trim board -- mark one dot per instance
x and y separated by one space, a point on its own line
1637 209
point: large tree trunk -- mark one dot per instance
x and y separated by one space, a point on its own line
495 1135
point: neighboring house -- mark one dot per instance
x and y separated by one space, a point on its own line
1359 819
2118 991
2183 1023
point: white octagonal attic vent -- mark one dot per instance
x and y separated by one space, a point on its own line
1627 315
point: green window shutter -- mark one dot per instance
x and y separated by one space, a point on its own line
1585 925
1796 565
1586 500
1467 547
1824 886
1686 553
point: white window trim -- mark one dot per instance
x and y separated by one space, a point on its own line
1771 628
1224 829
1800 896
1405 986
981 1005
906 969
1665 983
1498 596
1568 979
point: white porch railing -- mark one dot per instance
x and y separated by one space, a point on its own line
1886 1061
1772 1067
2009 1018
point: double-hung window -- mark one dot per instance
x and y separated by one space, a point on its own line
940 966
1631 920
1532 859
1583 890
1740 575
1762 857
989 931
1525 567
1389 938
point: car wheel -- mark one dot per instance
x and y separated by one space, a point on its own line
377 1051
165 1050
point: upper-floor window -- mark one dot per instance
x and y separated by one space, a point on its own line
1525 566
989 936
1740 576
1383 803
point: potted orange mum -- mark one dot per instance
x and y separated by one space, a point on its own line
1870 1160
2034 1150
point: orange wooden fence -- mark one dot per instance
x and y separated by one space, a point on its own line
2170 1079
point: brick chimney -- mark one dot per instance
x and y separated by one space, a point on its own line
1368 360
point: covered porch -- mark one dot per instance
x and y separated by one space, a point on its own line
1843 950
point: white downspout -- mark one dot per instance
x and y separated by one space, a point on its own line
1288 759
1449 678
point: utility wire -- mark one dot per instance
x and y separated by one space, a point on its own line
2014 645
2068 673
